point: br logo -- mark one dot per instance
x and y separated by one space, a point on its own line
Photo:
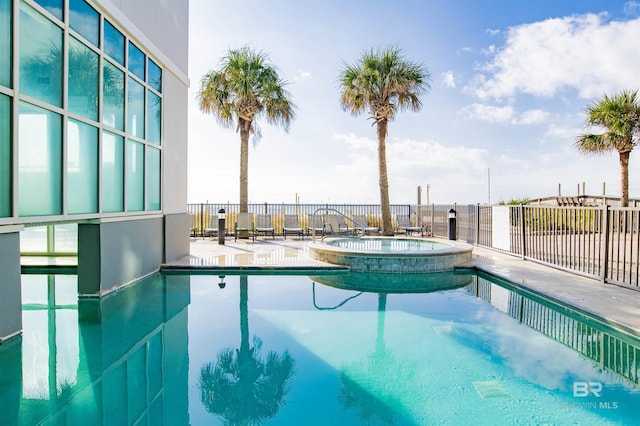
584 389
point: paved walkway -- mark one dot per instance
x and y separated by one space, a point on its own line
614 304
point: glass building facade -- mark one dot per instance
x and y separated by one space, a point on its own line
81 101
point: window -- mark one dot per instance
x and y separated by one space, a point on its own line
5 43
113 42
82 168
112 173
135 176
5 156
40 161
154 116
155 76
153 178
85 21
83 80
54 7
40 69
136 61
112 96
135 108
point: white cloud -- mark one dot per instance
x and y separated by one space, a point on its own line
449 79
533 116
492 32
302 75
464 50
582 52
490 113
632 8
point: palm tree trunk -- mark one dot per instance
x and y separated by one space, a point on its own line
624 178
387 226
244 314
244 164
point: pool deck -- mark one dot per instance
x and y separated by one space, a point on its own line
617 305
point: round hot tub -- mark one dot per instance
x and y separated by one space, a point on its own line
392 255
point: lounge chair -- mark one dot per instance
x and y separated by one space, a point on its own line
212 230
292 226
244 223
263 225
315 224
405 227
369 230
333 226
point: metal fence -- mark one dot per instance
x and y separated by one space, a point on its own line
601 242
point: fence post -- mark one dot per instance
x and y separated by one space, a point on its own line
604 251
202 220
477 223
523 239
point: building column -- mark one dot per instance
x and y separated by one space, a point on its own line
10 290
112 254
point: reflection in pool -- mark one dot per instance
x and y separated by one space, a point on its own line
334 349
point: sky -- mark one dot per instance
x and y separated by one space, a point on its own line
510 82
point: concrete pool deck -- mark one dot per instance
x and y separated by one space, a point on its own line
617 305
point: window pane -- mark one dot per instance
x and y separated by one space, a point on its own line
54 7
82 168
135 109
5 156
40 68
5 43
40 161
135 176
136 61
112 173
33 240
83 80
153 178
65 240
155 76
154 114
85 20
113 96
113 42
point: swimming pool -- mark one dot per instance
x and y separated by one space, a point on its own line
283 349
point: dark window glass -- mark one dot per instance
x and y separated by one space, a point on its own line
85 21
113 42
54 7
155 76
136 61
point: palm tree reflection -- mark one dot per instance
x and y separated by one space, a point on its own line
242 386
370 385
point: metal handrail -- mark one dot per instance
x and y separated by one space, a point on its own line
327 209
329 308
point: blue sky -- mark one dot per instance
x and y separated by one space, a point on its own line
510 83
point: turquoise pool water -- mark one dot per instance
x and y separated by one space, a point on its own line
288 350
386 245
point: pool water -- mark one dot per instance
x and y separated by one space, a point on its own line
287 350
387 245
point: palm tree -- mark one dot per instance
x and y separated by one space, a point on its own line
620 116
383 83
244 88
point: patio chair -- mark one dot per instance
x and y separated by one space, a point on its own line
369 230
244 223
212 229
292 226
263 225
333 225
315 224
405 227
